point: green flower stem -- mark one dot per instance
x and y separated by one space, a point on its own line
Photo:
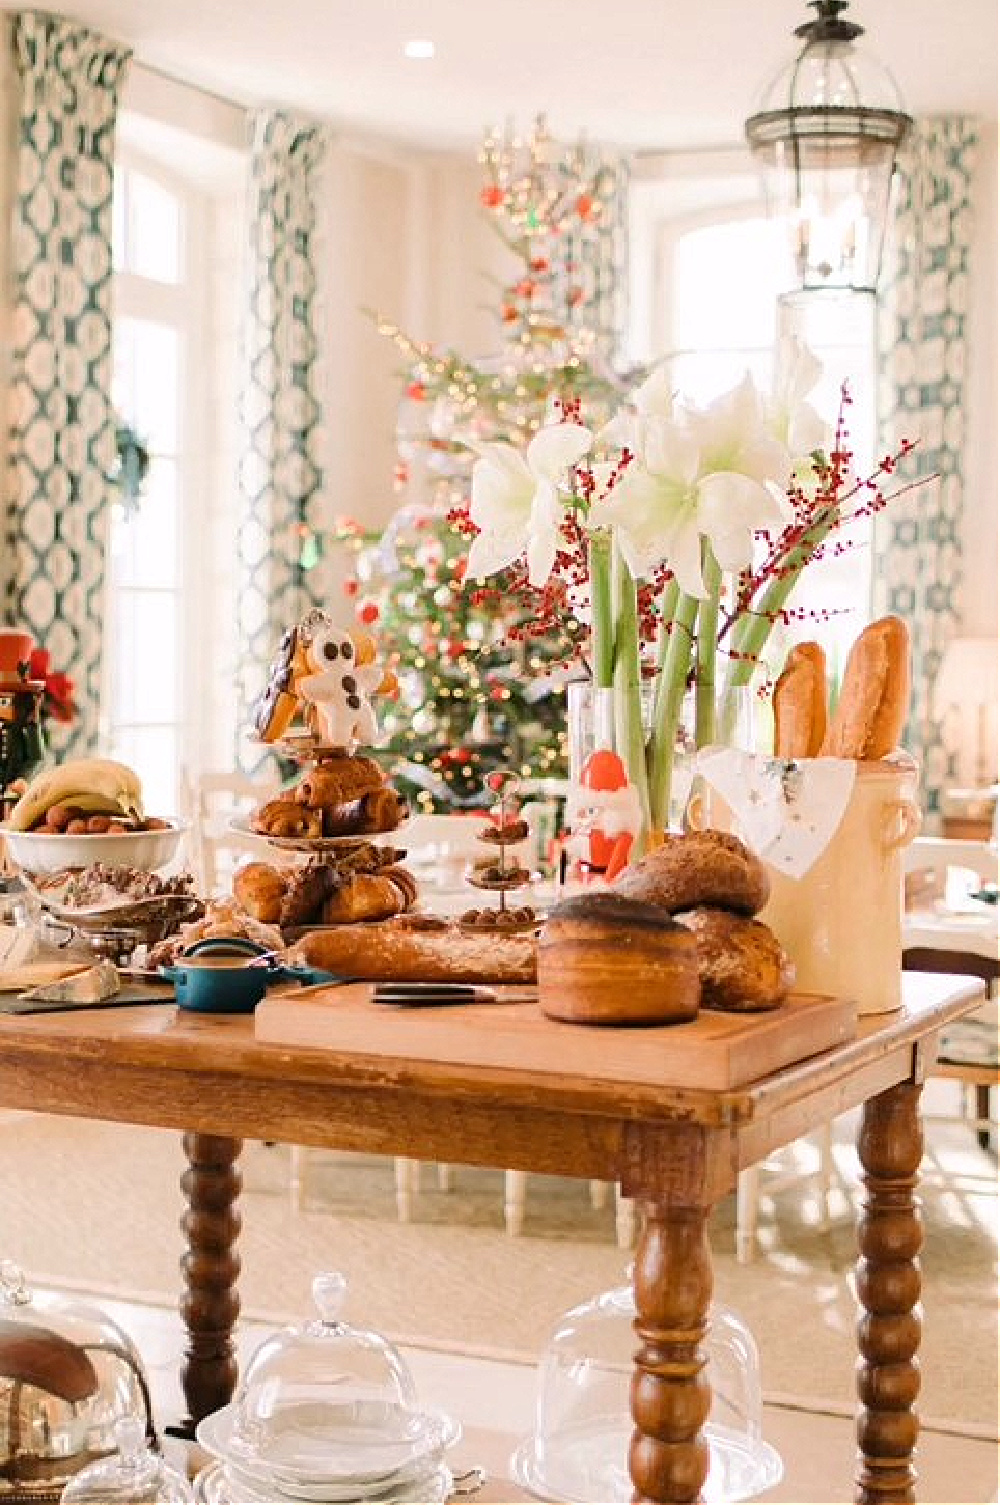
629 733
602 616
752 627
668 609
708 631
667 707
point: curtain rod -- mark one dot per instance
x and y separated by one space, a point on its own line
185 83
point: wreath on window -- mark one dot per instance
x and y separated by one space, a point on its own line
131 467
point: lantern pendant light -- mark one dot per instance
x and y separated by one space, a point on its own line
826 138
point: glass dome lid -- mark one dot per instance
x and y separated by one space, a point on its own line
327 1401
579 1448
68 1375
135 1475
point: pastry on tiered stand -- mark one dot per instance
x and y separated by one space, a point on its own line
321 680
501 872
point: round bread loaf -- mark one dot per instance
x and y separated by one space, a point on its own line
740 962
700 867
605 959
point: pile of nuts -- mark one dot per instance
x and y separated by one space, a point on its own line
70 820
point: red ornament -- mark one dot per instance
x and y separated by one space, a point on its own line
455 649
369 612
539 263
492 196
351 588
508 313
458 572
585 206
417 391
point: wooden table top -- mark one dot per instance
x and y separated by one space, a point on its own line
161 1036
155 1064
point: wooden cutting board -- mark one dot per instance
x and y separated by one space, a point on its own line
712 1051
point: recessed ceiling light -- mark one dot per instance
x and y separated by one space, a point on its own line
419 47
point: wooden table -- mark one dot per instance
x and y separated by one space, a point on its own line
675 1150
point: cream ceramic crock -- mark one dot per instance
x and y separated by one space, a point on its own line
842 922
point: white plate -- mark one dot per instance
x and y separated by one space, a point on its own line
44 852
325 1446
588 1465
240 824
221 1485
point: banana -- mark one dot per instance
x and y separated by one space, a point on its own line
75 782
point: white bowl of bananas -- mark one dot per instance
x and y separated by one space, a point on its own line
84 811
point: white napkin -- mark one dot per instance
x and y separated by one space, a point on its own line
786 812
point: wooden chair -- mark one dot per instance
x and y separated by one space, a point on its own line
210 801
968 1052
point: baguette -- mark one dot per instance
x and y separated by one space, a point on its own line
799 703
396 951
875 695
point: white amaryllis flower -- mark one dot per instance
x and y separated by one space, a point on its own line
733 435
654 507
793 420
704 475
652 399
516 502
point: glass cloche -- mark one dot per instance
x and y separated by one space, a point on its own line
579 1448
68 1375
326 1409
135 1475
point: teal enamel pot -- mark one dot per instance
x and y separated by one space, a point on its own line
225 976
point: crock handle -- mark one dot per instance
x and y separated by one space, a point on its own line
696 812
902 825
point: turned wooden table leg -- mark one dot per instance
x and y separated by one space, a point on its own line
890 1235
210 1304
671 1396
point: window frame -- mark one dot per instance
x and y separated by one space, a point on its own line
186 307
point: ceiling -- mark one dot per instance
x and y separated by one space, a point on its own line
642 73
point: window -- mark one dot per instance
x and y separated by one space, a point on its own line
707 273
164 583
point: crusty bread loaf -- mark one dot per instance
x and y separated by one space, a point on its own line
395 951
875 694
700 867
741 964
604 959
799 702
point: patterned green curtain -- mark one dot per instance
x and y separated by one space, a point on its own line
279 474
924 321
62 435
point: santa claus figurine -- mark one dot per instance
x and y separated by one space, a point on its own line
603 814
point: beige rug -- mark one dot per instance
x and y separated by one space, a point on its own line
95 1207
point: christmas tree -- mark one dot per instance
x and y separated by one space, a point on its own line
480 686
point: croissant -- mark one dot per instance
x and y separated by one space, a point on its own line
369 896
259 889
380 810
283 817
339 781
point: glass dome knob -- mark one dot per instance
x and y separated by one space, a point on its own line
329 1292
